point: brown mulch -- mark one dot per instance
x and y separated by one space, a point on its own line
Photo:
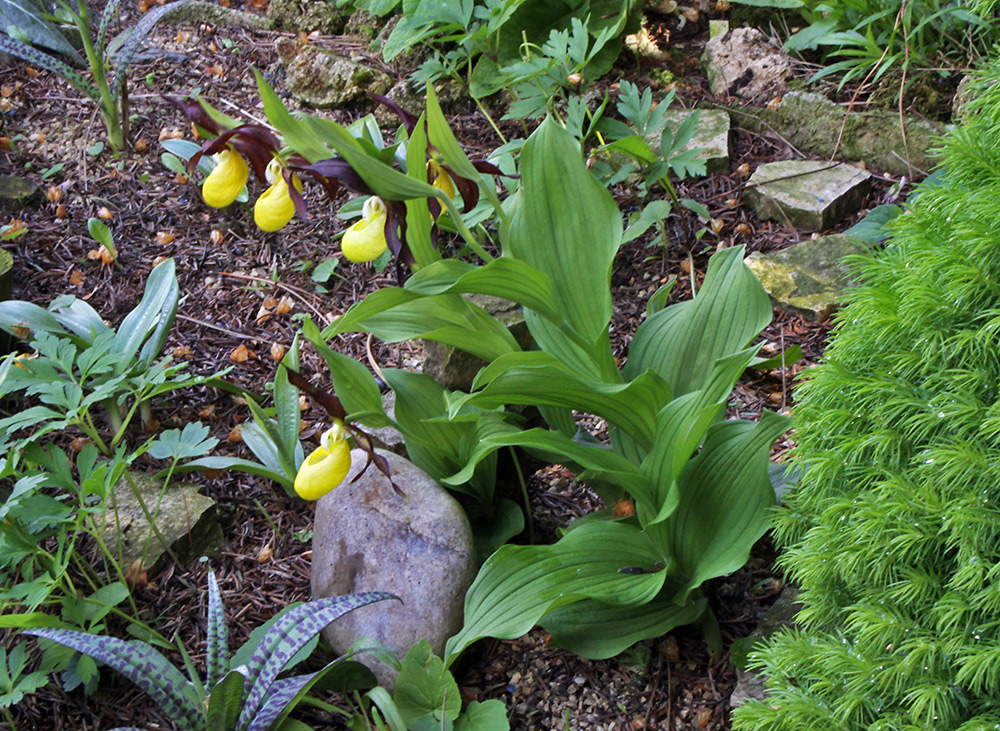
232 284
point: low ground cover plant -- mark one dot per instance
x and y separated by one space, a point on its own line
893 531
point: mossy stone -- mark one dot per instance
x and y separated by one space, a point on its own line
17 193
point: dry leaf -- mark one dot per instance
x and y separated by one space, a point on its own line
159 260
285 305
704 717
39 137
638 723
101 253
4 143
217 69
103 213
669 649
215 237
79 443
774 103
141 144
623 509
143 6
171 133
240 355
54 193
211 474
32 72
21 331
263 315
236 435
207 412
180 179
270 301
6 90
259 4
136 579
61 212
151 427
743 229
6 105
686 265
744 169
183 351
164 237
77 278
303 403
265 554
183 36
717 225
722 6
277 352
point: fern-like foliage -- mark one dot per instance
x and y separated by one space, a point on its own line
894 533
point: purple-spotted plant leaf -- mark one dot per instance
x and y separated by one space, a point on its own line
217 659
31 26
280 697
283 640
136 37
35 57
109 14
141 664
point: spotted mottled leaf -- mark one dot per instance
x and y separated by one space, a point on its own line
218 647
136 37
278 698
141 664
37 58
110 11
283 640
31 26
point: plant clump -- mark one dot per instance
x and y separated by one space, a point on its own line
893 533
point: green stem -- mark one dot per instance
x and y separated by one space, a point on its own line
10 719
466 234
524 494
95 59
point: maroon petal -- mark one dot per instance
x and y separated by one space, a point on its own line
196 113
409 120
469 189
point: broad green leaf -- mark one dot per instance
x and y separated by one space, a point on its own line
875 226
505 277
232 463
592 629
635 147
77 316
387 707
489 715
725 497
518 585
535 378
157 307
225 699
259 437
651 214
395 314
425 686
286 403
141 664
32 619
682 342
297 134
418 220
385 181
353 384
441 137
566 225
785 358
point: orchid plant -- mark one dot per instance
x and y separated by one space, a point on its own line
247 697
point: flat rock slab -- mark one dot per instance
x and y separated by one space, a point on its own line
814 124
185 518
366 537
745 62
16 193
808 194
711 135
807 278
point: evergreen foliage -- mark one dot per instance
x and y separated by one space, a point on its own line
894 534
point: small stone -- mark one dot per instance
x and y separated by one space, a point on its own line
808 194
16 193
750 685
807 278
420 548
185 518
744 62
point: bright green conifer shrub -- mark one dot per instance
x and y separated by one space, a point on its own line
894 533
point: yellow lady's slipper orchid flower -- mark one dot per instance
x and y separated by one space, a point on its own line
227 179
274 209
365 240
442 180
327 465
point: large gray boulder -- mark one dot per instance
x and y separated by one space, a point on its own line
746 63
366 537
327 80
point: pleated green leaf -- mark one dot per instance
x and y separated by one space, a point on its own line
505 277
157 306
566 224
725 497
441 137
537 379
518 585
286 404
353 384
683 341
394 314
598 630
297 134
